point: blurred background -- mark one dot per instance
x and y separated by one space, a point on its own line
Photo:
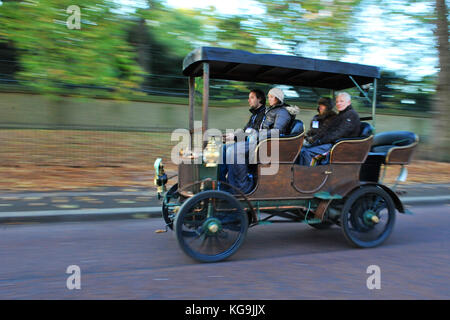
92 102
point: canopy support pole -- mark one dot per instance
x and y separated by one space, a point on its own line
374 103
374 98
191 110
360 90
205 98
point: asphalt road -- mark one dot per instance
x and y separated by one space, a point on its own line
126 259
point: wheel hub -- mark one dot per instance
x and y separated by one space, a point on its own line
370 218
212 226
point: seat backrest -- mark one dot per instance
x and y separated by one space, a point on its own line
289 144
394 138
296 128
366 130
397 147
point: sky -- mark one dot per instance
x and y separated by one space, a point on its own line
378 45
222 6
374 31
380 35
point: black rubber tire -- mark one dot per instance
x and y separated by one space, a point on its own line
354 228
183 233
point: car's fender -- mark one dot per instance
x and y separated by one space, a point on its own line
398 203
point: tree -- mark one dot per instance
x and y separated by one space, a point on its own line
231 32
161 38
441 136
423 15
311 28
54 58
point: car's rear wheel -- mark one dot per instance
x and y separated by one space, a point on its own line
368 217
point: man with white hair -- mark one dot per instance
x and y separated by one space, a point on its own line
345 125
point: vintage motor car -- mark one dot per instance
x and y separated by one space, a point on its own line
210 224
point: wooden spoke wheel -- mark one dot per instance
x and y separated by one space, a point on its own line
211 226
368 217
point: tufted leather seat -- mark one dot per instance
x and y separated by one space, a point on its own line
296 129
391 147
385 141
366 130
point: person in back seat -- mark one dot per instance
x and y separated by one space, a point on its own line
321 121
345 125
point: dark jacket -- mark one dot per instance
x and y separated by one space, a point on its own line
256 118
345 125
319 126
277 117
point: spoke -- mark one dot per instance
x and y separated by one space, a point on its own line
210 245
203 238
364 204
193 224
377 228
219 243
193 216
222 234
380 206
353 219
194 239
374 202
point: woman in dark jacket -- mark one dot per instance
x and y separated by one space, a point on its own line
321 121
277 116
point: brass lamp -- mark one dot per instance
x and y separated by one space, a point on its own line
211 153
160 177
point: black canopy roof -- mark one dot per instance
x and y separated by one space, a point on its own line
277 69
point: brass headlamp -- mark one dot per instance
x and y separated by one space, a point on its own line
211 154
160 177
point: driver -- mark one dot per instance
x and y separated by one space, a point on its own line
257 103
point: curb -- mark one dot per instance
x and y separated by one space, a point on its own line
139 212
430 199
81 215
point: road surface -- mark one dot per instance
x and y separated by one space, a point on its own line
126 259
